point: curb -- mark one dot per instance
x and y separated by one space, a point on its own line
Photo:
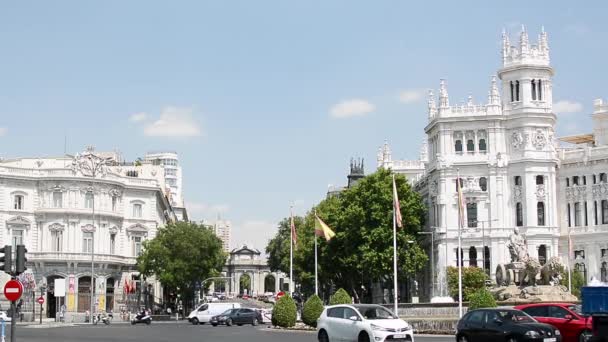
314 331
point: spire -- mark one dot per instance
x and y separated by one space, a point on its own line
444 102
543 42
523 41
424 152
493 95
432 104
470 101
379 156
506 46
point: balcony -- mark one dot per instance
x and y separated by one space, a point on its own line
79 211
80 257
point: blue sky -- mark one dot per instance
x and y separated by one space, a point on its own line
255 87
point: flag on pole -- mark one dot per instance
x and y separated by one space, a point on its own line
126 287
322 229
294 236
396 205
461 203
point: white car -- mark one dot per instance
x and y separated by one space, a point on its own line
362 323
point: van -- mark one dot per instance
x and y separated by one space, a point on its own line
204 312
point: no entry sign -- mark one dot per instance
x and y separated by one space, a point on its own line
40 300
13 290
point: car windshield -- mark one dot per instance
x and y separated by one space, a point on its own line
375 312
515 316
576 309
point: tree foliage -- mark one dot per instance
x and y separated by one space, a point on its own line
481 299
284 313
181 254
312 310
340 297
473 280
361 253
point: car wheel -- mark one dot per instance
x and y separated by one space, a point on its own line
323 336
195 321
585 336
462 338
229 322
254 322
214 324
363 337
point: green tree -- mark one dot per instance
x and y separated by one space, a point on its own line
481 299
284 313
340 297
312 310
473 280
245 283
181 254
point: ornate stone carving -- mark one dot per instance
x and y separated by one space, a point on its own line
517 193
539 140
56 227
517 140
569 194
113 230
541 192
433 188
88 228
518 247
115 193
89 164
137 228
18 221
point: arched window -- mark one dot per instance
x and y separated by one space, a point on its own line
604 211
470 145
458 145
582 269
473 257
540 211
512 92
487 259
483 183
540 180
482 145
516 90
533 89
519 215
539 87
542 254
575 180
517 180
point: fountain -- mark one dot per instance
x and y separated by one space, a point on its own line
444 296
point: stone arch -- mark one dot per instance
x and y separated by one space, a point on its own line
245 283
270 281
52 302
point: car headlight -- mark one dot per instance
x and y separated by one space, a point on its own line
532 334
557 333
379 328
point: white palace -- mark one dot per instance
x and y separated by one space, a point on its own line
514 172
64 209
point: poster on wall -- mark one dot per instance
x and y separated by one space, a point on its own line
71 293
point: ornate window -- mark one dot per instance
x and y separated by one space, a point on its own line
472 215
603 178
87 242
57 199
88 200
582 269
542 254
533 82
114 203
516 90
540 210
57 240
473 257
19 202
483 183
540 180
458 145
482 145
569 215
518 180
575 180
519 215
112 243
470 145
539 87
577 214
137 210
604 211
137 240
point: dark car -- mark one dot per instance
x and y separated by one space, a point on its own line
238 317
507 325
566 317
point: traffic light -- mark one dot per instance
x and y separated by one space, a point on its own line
21 260
6 260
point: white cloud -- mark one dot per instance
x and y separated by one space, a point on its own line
351 108
411 95
138 117
175 122
3 131
565 107
203 211
255 233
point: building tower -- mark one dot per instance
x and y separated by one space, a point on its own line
356 172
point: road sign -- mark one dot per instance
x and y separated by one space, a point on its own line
13 290
40 300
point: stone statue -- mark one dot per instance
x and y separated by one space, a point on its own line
517 247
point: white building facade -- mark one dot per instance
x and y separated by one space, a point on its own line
66 209
222 230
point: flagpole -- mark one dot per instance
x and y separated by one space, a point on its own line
291 283
396 297
316 281
459 251
569 261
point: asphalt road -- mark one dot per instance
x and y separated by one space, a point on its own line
173 332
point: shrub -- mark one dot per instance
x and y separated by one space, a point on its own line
473 279
312 310
340 297
284 312
481 299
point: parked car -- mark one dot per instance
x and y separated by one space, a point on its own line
568 318
508 325
204 312
361 322
238 317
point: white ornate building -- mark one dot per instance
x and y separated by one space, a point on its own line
505 154
63 209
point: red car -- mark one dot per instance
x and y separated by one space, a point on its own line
566 317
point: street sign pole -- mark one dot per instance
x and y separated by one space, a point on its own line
13 321
40 301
